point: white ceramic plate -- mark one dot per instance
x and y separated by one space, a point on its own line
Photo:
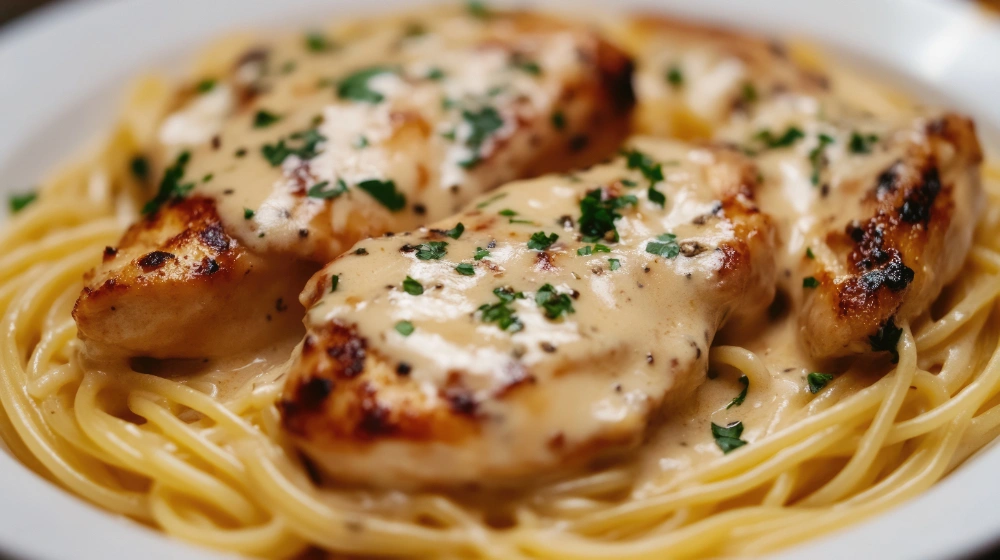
61 74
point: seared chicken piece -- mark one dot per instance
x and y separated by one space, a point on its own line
692 78
542 328
876 214
306 148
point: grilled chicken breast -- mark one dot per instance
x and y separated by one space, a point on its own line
875 214
691 79
313 143
545 326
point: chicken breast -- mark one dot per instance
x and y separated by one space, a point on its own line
312 143
875 214
544 327
691 78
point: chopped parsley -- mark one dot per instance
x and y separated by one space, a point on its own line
490 200
412 287
456 231
483 123
528 66
749 92
355 86
614 264
308 142
361 251
264 119
554 303
248 214
584 251
651 170
665 246
432 250
320 190
481 254
361 142
140 168
789 137
318 42
861 143
465 269
385 193
18 202
334 282
507 212
598 248
886 339
477 9
559 120
810 282
817 381
628 183
809 253
501 312
598 215
404 328
728 437
656 197
540 242
435 74
171 186
816 157
738 399
675 77
205 85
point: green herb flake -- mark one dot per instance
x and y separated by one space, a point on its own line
171 186
809 253
507 213
361 251
248 214
432 250
728 437
18 202
481 254
651 170
861 143
490 200
817 158
584 251
527 66
665 246
738 399
675 77
435 74
456 231
317 42
598 214
789 137
749 92
206 85
817 381
360 142
477 9
501 312
540 242
656 197
558 120
303 144
810 282
404 328
334 282
355 86
554 303
465 269
886 339
484 123
385 193
140 168
320 190
628 183
265 118
598 248
614 264
412 287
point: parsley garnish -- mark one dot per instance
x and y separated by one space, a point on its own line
501 313
540 242
554 303
248 214
484 123
309 140
465 269
334 282
598 215
886 339
355 86
361 142
665 246
18 202
584 251
432 250
264 119
318 42
558 120
749 92
861 143
738 399
728 437
477 9
205 85
490 200
787 139
507 213
816 157
817 381
656 197
435 74
674 76
140 168
412 287
614 264
651 170
809 253
319 190
598 248
810 282
385 192
404 328
456 231
170 185
481 254
528 66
